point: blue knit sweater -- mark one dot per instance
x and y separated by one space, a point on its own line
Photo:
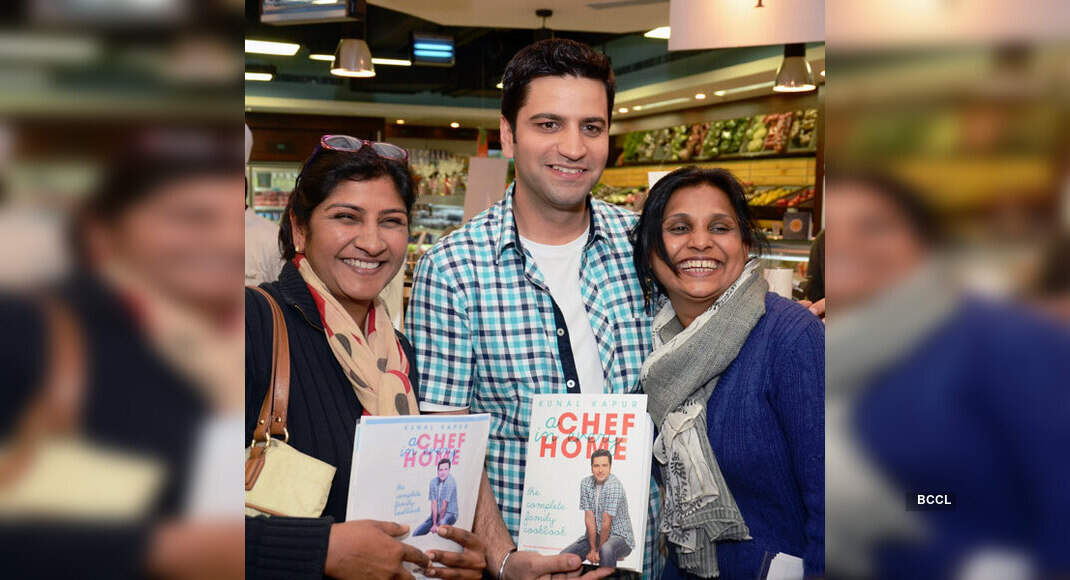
766 425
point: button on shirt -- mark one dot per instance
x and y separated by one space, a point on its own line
486 333
446 490
560 267
608 498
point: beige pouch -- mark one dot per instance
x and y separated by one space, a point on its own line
74 479
280 480
290 483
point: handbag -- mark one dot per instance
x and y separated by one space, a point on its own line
280 480
49 469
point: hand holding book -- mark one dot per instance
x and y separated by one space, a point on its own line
369 549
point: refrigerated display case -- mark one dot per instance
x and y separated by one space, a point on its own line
269 186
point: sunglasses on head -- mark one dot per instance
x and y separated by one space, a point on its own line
352 145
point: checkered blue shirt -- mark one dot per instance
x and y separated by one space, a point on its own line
610 500
483 325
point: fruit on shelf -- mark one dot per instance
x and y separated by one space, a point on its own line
776 138
803 129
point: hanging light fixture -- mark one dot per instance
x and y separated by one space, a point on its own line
353 58
794 74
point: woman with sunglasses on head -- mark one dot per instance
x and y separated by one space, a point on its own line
344 237
735 384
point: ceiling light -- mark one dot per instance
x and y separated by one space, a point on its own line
499 85
637 108
794 74
259 72
400 121
392 61
268 47
353 58
622 110
324 57
455 124
822 73
664 103
26 48
720 93
661 32
323 1
700 96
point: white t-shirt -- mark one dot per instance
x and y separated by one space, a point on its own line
560 267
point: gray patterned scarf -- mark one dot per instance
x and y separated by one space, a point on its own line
678 378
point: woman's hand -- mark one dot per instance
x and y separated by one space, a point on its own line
532 565
817 308
198 549
468 564
370 549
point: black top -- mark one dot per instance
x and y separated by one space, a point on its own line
322 415
134 401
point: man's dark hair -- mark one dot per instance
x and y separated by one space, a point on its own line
553 57
324 171
444 460
647 236
602 453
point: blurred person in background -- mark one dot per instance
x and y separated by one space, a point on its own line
933 390
263 260
815 270
32 227
344 237
111 377
735 385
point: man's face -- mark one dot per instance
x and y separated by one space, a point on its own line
560 142
443 471
600 469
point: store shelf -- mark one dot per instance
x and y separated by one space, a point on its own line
726 157
269 207
441 199
777 170
772 212
788 250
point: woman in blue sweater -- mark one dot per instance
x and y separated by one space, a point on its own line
735 386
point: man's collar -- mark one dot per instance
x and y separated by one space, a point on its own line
508 235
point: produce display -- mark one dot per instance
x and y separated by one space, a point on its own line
632 142
625 196
804 130
780 195
693 147
711 138
767 133
732 134
771 134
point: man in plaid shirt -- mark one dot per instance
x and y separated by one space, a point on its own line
538 293
609 527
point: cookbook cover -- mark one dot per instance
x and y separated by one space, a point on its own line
587 478
419 470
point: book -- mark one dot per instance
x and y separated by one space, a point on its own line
403 465
588 457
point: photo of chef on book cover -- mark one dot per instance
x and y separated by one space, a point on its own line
587 480
422 471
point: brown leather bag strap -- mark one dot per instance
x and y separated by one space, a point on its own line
273 410
56 408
